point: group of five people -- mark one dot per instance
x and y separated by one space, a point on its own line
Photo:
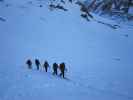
55 67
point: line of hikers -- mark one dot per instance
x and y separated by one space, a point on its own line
46 65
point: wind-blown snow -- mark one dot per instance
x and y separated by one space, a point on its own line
98 58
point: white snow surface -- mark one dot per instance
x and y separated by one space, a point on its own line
99 59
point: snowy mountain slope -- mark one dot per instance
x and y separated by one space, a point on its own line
99 59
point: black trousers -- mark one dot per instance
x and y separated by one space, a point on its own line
55 72
29 67
37 67
62 74
46 69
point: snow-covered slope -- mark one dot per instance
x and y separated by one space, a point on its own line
98 58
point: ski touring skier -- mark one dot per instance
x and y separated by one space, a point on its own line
46 65
62 69
55 68
37 62
29 63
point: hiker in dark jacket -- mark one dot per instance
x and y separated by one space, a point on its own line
62 69
29 63
55 67
37 62
46 65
